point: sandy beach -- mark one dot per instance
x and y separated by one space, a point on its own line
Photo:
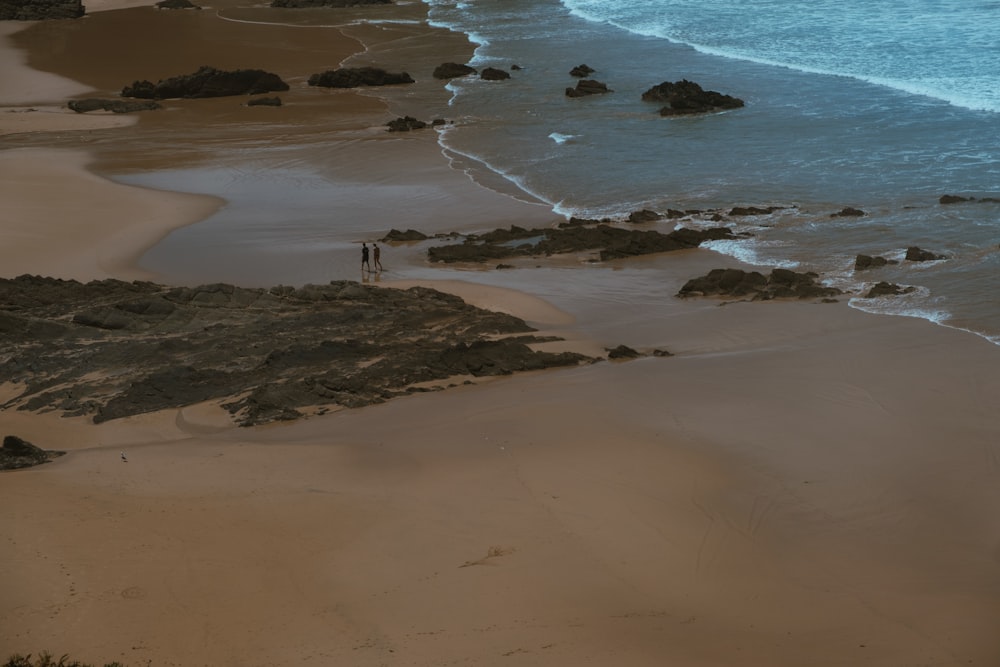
800 484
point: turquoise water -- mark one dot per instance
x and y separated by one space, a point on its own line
880 105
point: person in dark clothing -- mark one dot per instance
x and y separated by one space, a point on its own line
364 258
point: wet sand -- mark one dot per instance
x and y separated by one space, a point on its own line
800 484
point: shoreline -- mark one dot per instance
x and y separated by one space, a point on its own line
801 483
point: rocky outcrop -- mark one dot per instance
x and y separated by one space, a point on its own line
864 262
354 77
405 124
494 74
686 97
208 82
744 211
848 212
115 106
915 254
299 4
587 87
780 284
956 199
452 70
17 453
582 71
40 10
643 216
609 242
395 235
110 349
884 288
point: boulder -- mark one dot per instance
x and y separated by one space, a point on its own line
863 262
395 235
582 71
353 77
587 87
848 212
17 453
753 210
952 199
643 216
494 74
884 288
452 70
686 97
208 82
405 124
915 254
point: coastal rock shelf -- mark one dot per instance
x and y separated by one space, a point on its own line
110 349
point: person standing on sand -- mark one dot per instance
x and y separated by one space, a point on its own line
364 258
124 460
376 255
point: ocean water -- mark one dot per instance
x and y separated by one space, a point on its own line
881 105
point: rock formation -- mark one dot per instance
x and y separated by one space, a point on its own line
587 87
494 74
115 106
353 77
915 254
109 349
686 97
780 284
452 70
17 453
610 242
208 82
40 10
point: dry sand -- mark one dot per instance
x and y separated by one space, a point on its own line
801 484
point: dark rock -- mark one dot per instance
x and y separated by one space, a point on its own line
452 70
781 284
405 124
112 349
17 453
208 82
176 4
494 74
915 254
40 10
115 106
952 199
395 235
622 352
848 212
587 87
610 242
300 4
353 77
753 210
643 216
862 262
264 102
581 71
687 97
887 289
